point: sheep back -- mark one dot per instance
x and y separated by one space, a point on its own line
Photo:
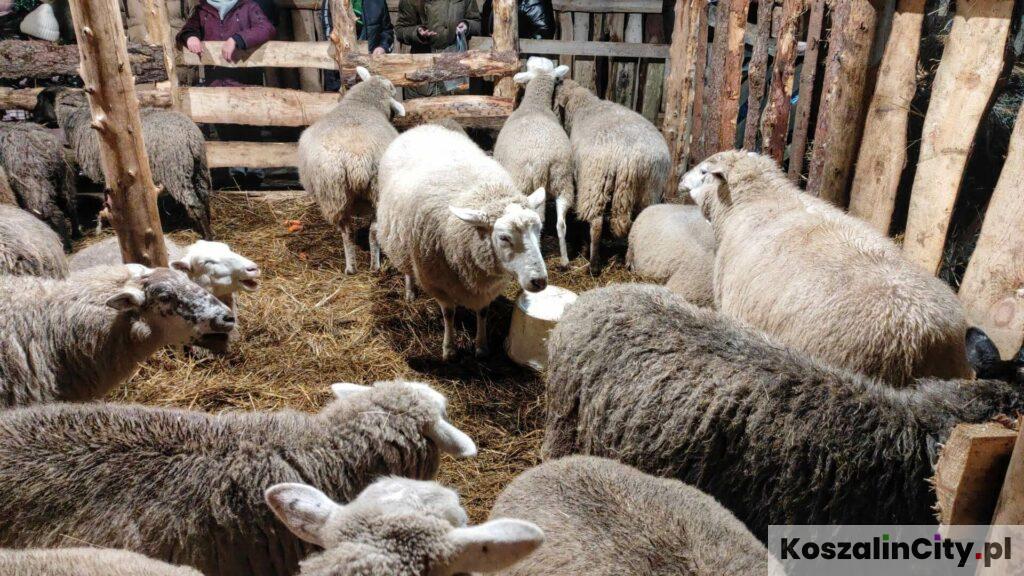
28 246
665 236
177 155
39 177
85 562
108 251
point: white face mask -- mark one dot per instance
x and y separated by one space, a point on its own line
222 6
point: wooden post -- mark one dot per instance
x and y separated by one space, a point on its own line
692 145
970 471
304 30
343 32
993 286
883 151
776 114
565 26
115 117
757 73
158 31
722 101
798 147
961 94
617 90
1009 514
839 120
506 38
584 67
680 85
654 77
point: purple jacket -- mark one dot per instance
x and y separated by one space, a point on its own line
246 23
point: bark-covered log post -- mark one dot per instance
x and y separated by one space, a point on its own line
506 38
343 32
679 87
115 117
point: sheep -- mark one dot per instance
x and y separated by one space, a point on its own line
28 246
983 355
450 217
85 562
174 145
339 154
75 339
648 525
533 146
39 177
620 159
637 374
398 527
820 281
188 487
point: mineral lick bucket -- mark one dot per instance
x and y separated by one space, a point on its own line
534 317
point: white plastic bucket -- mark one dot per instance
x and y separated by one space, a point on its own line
534 317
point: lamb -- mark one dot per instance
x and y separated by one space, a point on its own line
39 177
674 243
450 217
637 374
398 527
75 339
820 281
188 487
339 154
85 562
533 146
28 246
174 144
684 530
620 160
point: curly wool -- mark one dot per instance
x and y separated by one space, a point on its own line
637 374
619 157
648 525
28 247
85 562
187 487
825 283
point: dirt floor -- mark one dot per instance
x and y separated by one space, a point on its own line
311 325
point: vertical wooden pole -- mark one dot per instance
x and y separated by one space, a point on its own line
617 90
883 151
840 116
680 85
565 26
107 74
693 149
343 32
506 38
757 73
584 67
158 32
654 79
723 96
776 114
798 147
304 30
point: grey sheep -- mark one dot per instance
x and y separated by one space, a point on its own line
533 146
339 155
75 339
174 145
39 176
28 246
603 518
6 192
188 487
674 244
398 527
637 374
821 281
620 159
85 562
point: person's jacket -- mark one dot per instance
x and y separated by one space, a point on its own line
374 26
246 23
536 19
441 16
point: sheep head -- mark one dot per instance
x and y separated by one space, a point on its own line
380 90
538 66
214 266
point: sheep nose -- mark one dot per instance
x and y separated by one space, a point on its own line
538 284
224 323
254 270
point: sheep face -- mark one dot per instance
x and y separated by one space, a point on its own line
215 267
984 358
385 90
167 305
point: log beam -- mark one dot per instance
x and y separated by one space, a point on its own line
115 116
158 29
40 59
251 154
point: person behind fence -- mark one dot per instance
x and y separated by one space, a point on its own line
536 19
373 24
436 26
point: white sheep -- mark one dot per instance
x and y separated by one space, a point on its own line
75 339
85 562
339 154
620 159
533 146
451 217
28 246
665 236
188 487
398 527
821 281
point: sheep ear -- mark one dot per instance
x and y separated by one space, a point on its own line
493 546
560 72
536 199
127 299
303 509
343 390
398 107
477 218
182 265
363 73
522 77
450 439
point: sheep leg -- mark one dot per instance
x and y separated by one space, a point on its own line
374 249
481 333
410 288
350 248
595 246
561 208
447 349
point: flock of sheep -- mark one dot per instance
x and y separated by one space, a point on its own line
792 369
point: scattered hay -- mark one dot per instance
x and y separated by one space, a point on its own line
311 325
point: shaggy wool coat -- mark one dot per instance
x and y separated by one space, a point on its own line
28 247
85 562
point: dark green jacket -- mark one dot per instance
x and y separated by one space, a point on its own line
441 16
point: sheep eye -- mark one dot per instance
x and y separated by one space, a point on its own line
505 239
163 297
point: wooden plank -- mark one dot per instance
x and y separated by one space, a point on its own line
680 86
993 287
1009 513
808 75
18 98
757 72
618 90
961 94
883 151
584 68
304 29
775 127
587 48
653 71
565 26
721 102
840 114
692 144
970 472
506 41
39 59
609 6
258 106
251 154
107 74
